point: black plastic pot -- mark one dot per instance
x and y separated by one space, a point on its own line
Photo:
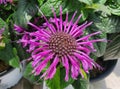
108 67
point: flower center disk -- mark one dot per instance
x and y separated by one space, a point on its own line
62 44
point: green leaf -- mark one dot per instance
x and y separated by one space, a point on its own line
46 8
70 6
99 46
31 77
84 74
100 7
113 48
2 23
15 62
115 11
108 24
62 79
26 9
118 1
102 1
114 6
7 54
81 84
2 45
40 2
88 2
54 83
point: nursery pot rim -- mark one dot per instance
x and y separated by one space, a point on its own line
110 67
6 71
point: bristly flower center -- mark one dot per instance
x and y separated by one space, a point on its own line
62 44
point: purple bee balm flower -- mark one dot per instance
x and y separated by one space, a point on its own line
59 41
1 32
5 1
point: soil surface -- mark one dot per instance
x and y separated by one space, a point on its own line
3 66
95 72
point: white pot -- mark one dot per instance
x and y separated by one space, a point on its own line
11 78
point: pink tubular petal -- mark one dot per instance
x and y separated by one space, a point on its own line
1 31
76 67
56 22
66 22
82 56
52 26
85 66
52 69
73 27
88 36
36 27
42 65
74 72
78 62
81 29
18 28
45 32
93 41
40 55
71 21
84 49
53 65
66 65
73 62
38 34
45 52
77 29
48 24
38 50
61 22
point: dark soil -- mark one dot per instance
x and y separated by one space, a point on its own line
107 66
95 72
3 66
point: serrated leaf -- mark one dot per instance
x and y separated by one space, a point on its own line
70 6
88 2
102 1
114 6
115 11
113 48
26 9
108 24
100 7
81 84
46 8
99 46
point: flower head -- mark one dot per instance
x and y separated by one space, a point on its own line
5 1
59 41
